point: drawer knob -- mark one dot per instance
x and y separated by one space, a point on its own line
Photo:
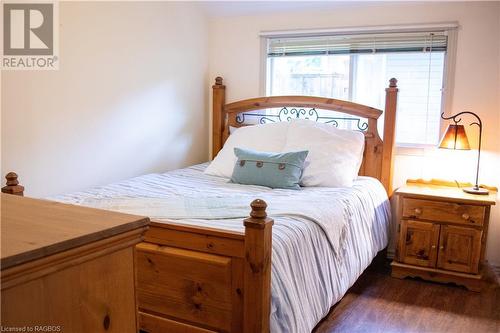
441 247
465 216
418 211
433 247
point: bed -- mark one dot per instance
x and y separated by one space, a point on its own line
201 269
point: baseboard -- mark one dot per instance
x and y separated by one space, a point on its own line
390 253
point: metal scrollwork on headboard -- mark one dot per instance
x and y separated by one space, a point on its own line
286 114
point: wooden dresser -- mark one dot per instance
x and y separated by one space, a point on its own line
67 268
442 233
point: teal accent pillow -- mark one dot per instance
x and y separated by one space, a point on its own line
274 170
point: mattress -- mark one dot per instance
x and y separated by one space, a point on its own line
308 274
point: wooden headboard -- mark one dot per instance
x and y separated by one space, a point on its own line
378 154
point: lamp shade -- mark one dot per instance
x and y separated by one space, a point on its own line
455 138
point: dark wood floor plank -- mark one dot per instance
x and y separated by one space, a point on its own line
379 303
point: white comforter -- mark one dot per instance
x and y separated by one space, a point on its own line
323 238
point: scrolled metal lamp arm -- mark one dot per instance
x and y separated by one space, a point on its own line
479 124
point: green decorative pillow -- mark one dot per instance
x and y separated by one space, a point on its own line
275 170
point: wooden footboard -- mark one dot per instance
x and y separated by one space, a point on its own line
200 279
192 279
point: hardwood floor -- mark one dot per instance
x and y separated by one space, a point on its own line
379 303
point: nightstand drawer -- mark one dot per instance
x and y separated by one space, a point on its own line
443 211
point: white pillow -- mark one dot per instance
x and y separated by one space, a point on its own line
266 137
334 157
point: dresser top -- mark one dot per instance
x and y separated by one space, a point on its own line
430 190
34 228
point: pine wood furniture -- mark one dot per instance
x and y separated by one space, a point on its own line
442 233
67 268
200 279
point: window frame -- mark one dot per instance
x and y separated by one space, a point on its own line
450 28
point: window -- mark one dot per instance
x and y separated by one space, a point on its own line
358 68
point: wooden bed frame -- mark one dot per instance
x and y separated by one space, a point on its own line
199 279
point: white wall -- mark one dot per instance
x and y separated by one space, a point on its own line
129 98
235 55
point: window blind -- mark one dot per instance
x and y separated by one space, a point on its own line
358 43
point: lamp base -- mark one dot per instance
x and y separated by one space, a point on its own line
475 190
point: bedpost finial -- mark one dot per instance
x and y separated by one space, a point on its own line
258 209
393 83
12 179
218 81
13 186
258 216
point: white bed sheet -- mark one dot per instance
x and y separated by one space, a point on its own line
308 277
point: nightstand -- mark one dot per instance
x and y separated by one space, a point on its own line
441 233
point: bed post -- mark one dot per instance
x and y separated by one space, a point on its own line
257 276
13 186
391 100
218 115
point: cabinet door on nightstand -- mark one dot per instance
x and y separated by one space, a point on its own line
418 243
459 249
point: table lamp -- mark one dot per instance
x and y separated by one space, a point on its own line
456 138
